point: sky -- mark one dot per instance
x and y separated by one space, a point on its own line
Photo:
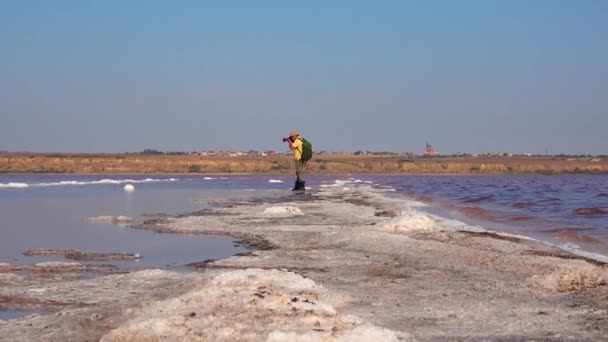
527 76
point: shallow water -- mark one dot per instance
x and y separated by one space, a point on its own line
570 210
49 211
14 314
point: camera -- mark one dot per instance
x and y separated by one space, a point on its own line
285 139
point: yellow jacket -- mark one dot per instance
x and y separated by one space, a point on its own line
297 148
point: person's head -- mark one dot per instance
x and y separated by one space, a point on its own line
293 135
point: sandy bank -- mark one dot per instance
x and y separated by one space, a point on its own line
320 164
337 264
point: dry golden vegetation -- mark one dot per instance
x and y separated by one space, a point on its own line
320 164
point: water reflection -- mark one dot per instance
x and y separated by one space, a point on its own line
54 217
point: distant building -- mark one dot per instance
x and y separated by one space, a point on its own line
430 151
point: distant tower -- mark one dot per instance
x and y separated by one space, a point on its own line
429 151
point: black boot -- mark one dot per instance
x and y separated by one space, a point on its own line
301 186
295 186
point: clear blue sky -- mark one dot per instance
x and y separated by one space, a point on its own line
467 76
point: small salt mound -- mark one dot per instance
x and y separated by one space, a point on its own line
412 221
283 211
570 279
368 332
129 187
37 291
250 305
120 220
363 333
100 219
123 219
254 276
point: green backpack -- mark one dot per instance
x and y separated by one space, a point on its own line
306 150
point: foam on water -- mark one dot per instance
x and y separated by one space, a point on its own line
74 182
577 251
14 185
344 183
275 181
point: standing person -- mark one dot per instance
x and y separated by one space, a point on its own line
295 144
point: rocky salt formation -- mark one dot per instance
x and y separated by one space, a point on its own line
354 265
83 309
250 305
567 279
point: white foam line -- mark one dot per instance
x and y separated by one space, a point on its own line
14 185
341 183
74 182
456 225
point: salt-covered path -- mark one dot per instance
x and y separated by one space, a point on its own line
341 263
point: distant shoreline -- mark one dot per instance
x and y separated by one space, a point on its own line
53 163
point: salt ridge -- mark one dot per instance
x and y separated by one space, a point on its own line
412 219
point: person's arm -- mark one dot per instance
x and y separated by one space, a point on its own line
296 144
291 147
